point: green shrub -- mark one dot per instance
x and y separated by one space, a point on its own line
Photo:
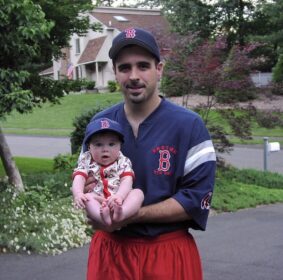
231 195
65 162
113 86
90 85
56 183
75 85
269 119
277 88
38 220
250 176
235 95
277 71
87 84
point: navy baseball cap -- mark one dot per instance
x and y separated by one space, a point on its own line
134 36
101 125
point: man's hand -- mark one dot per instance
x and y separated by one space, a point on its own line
114 226
108 228
90 184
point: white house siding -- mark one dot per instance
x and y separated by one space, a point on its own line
261 79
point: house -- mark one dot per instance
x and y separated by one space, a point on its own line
87 56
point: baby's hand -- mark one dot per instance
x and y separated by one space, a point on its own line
79 200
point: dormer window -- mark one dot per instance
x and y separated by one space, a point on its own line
120 18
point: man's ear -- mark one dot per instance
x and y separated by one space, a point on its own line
159 68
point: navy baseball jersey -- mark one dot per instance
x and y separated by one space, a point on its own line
172 156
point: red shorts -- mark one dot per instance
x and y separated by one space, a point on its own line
171 256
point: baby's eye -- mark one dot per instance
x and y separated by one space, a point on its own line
112 144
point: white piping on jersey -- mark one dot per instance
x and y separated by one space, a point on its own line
199 154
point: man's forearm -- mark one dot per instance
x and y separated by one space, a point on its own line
166 211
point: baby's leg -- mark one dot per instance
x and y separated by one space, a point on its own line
130 206
96 211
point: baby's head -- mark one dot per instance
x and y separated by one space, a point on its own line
103 138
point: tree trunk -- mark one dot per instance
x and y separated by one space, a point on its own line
9 164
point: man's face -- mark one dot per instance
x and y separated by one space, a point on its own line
138 73
105 147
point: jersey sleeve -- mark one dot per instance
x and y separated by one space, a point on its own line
195 188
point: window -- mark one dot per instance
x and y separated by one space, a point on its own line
120 18
78 46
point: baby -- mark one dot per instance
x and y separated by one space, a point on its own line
112 199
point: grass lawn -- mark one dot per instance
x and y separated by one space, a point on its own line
29 165
275 134
56 119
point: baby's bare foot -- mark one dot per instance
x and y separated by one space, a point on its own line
105 215
118 214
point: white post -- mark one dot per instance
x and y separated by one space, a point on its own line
97 74
265 153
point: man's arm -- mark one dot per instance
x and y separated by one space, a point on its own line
167 211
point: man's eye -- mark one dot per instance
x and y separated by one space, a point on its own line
144 66
124 68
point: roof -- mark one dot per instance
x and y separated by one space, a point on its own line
142 18
47 71
91 50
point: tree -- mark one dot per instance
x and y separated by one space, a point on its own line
272 14
277 75
236 84
107 3
175 80
31 33
207 68
234 19
186 15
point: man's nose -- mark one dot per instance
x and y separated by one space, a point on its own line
134 74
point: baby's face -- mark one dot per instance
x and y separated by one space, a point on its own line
105 147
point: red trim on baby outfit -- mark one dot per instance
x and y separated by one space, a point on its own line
79 173
124 174
105 183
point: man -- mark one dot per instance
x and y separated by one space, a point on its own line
174 163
